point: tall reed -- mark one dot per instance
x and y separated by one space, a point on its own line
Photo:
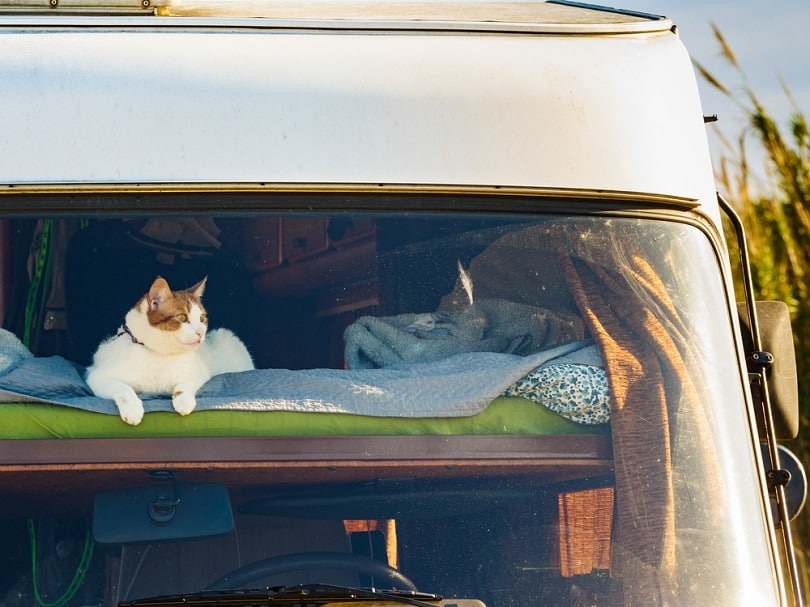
777 220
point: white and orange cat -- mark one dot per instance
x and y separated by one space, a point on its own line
164 347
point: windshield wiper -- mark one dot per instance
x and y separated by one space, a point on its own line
309 594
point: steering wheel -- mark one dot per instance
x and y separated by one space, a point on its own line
300 561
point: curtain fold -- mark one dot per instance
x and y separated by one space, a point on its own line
648 357
630 282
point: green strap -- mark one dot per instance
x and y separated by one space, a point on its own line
78 576
37 291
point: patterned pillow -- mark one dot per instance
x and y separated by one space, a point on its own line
577 392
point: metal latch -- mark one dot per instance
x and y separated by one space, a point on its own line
757 361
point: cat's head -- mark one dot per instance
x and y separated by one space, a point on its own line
170 322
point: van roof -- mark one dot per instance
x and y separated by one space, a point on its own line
554 16
234 100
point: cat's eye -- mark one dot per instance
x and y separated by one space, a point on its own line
203 317
182 317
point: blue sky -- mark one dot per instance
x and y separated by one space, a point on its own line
770 39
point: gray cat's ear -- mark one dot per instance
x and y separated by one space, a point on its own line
197 290
158 292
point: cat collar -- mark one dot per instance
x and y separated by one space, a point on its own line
125 330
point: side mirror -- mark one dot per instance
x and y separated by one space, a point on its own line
776 335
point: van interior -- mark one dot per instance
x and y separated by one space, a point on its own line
529 495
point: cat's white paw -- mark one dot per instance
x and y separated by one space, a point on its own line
130 408
183 401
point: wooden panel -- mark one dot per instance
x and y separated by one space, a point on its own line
242 450
262 244
342 231
344 265
40 477
302 237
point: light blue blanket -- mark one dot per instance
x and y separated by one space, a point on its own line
460 385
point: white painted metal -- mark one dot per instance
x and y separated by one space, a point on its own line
159 99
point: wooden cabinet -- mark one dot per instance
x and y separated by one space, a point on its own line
303 237
271 242
297 255
262 244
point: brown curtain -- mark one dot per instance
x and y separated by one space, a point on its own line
614 275
646 351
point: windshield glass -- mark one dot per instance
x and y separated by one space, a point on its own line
512 408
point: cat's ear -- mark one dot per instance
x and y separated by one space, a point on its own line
197 290
158 292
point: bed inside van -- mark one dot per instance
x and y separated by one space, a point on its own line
385 322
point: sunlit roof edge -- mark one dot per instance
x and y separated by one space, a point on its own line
555 16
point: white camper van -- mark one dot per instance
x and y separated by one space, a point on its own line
377 303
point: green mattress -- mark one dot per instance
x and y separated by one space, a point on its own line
505 415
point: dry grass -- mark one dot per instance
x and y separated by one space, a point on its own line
778 228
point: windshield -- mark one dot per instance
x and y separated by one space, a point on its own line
507 408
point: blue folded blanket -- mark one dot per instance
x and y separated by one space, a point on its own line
489 325
459 385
